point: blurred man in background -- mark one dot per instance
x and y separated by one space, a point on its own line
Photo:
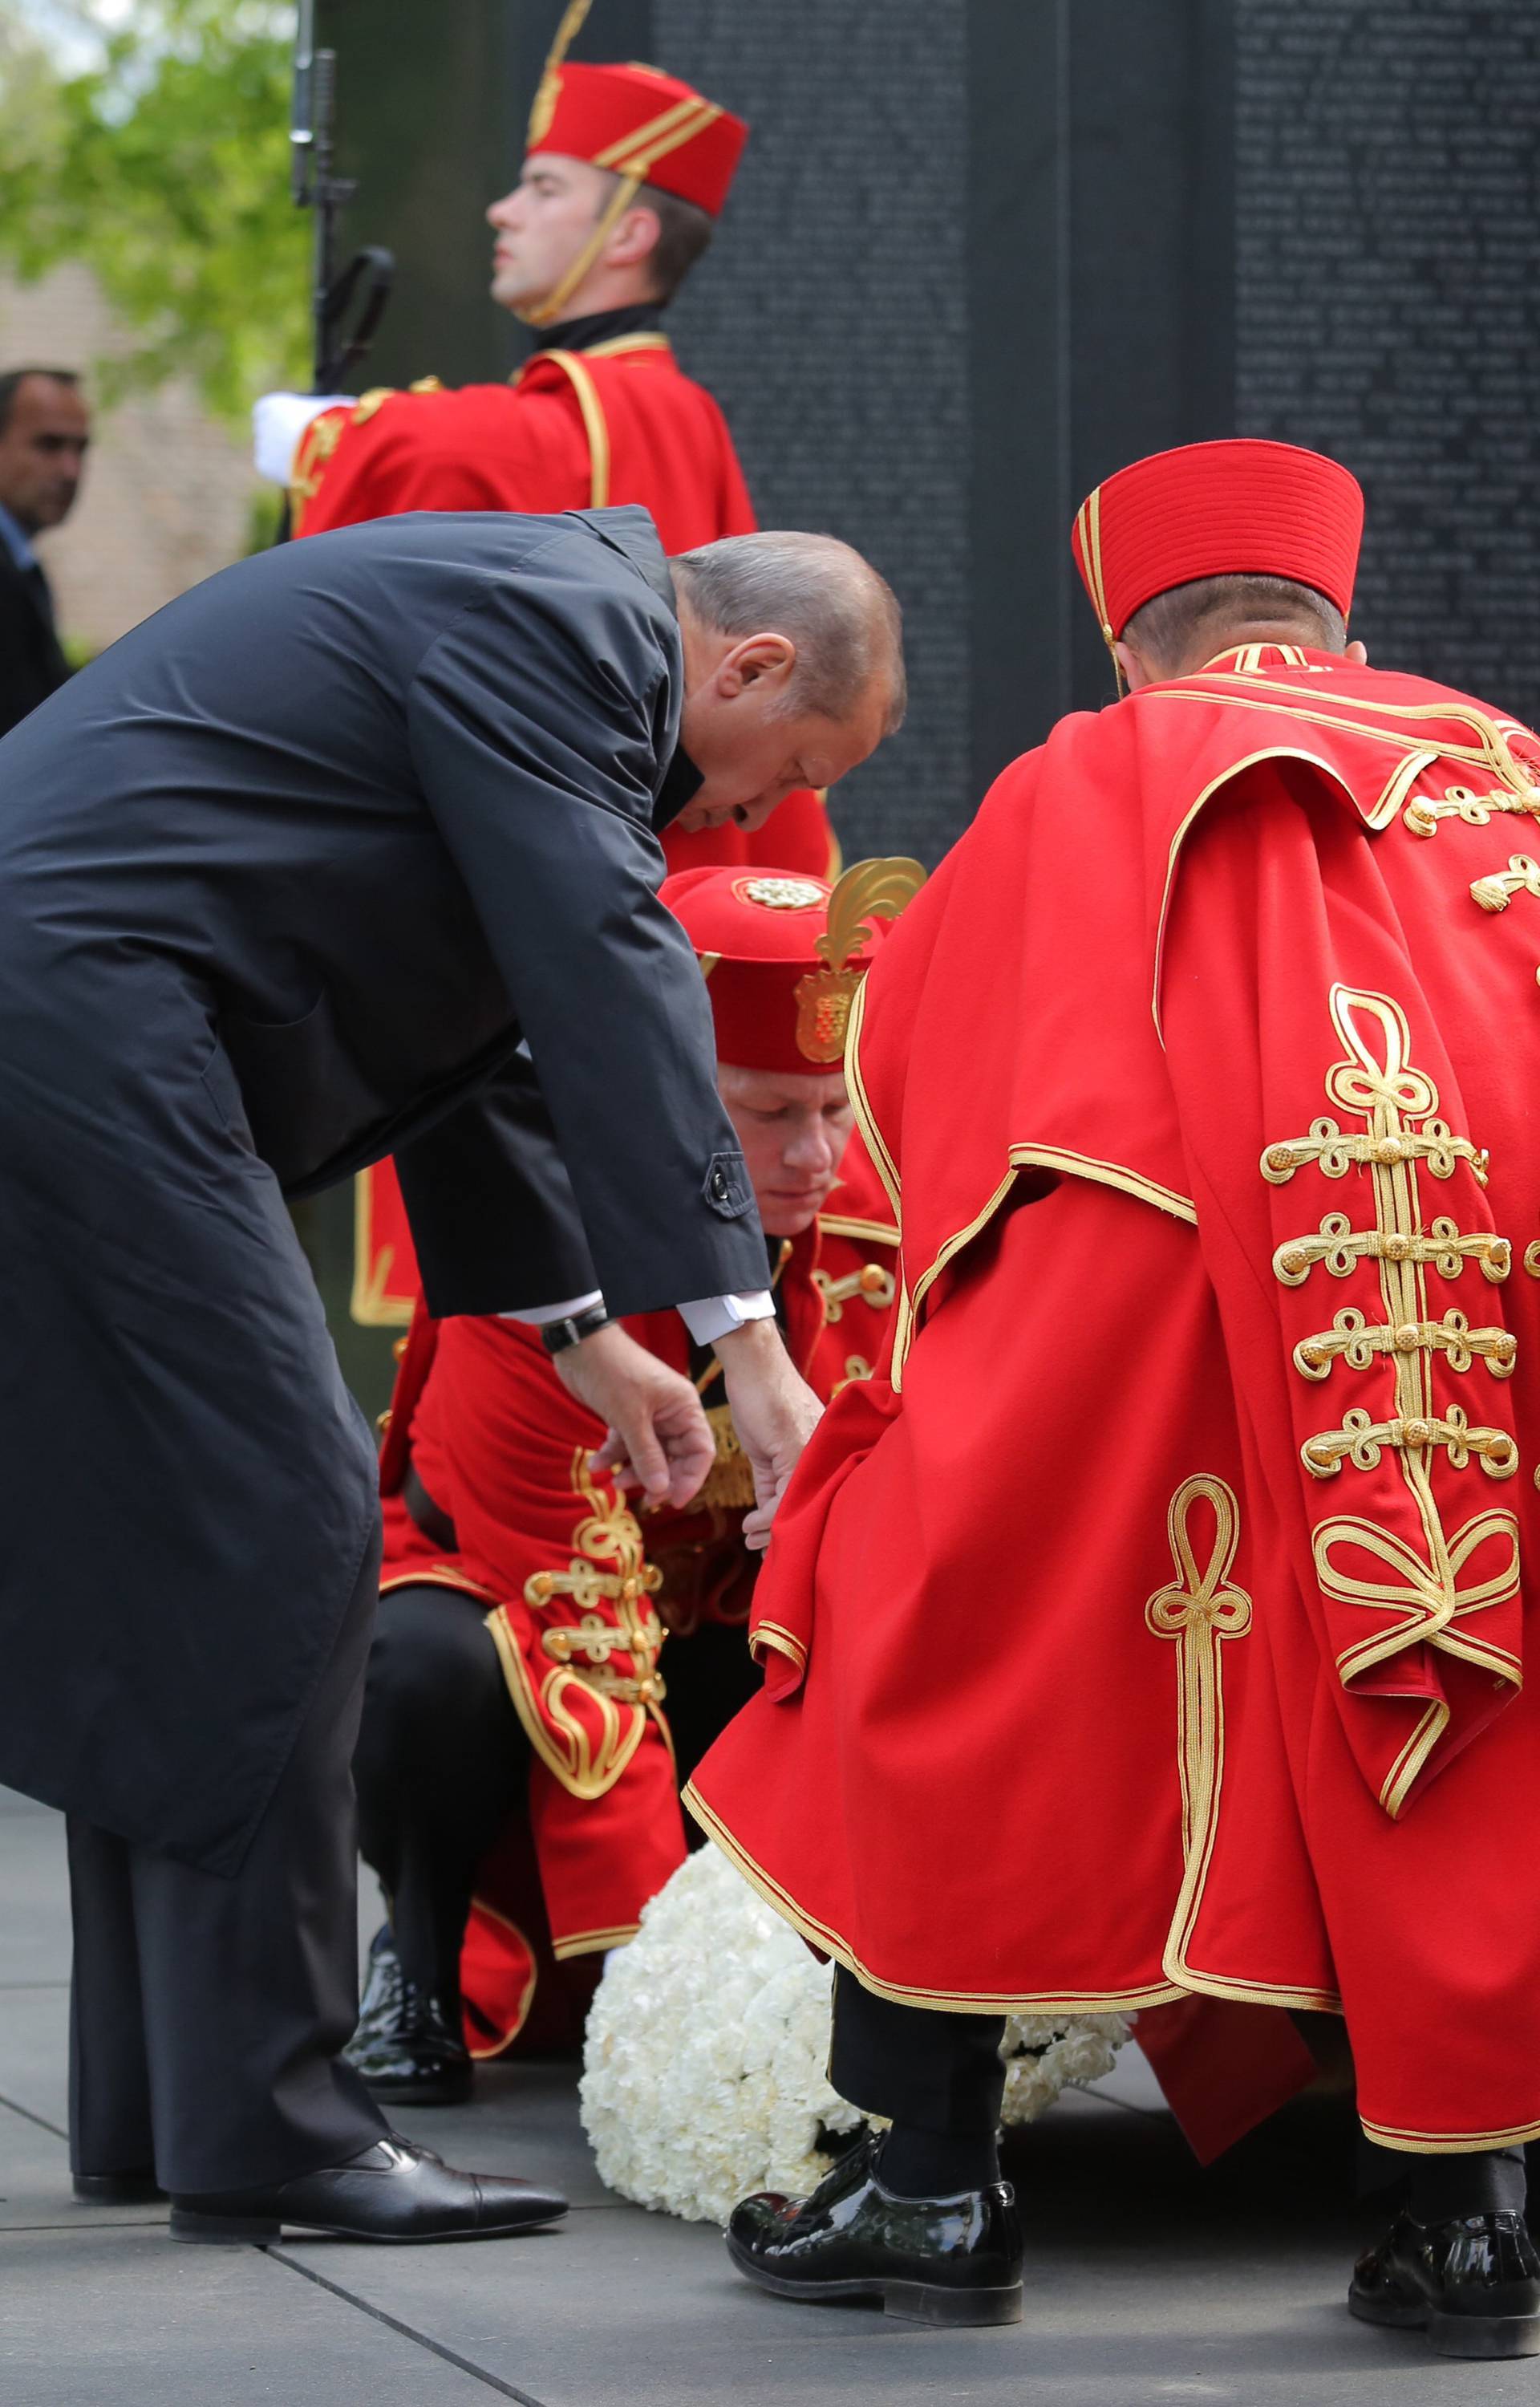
44 434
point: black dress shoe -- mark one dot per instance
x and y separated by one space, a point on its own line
1473 2284
392 2192
137 2188
405 2047
932 2260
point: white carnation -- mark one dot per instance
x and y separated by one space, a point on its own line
704 2063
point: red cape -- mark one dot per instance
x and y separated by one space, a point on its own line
1157 1627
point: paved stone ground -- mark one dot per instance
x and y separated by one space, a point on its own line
1148 2282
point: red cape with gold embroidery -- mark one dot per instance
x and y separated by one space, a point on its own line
1158 1627
577 430
578 1590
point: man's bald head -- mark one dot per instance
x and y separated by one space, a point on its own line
793 669
842 618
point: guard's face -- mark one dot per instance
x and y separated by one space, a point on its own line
543 224
42 452
794 1131
751 744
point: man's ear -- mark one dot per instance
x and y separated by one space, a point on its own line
756 658
1357 656
1135 670
634 239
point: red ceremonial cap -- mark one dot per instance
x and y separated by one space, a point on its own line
646 127
783 954
1241 508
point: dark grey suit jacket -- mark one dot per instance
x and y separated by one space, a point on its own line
283 876
32 666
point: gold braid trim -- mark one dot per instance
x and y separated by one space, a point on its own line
1424 1589
584 1685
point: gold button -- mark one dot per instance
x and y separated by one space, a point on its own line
1397 1249
873 1278
1408 1337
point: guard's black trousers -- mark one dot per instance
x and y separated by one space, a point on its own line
938 2076
443 1761
208 2015
930 2072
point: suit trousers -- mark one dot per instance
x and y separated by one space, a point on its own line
206 2015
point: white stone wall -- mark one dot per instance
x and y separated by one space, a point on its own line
168 490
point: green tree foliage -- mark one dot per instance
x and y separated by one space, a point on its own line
164 169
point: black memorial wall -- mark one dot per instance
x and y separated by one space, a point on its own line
982 251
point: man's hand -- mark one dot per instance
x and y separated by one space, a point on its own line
658 1430
774 1411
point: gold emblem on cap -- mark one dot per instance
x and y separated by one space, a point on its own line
785 894
868 890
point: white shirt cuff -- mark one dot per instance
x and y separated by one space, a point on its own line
537 1315
278 422
718 1315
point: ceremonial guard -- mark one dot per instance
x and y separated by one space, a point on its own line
626 174
1190 1526
516 1743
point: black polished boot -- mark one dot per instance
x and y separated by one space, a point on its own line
1471 2283
403 2047
390 2191
932 2260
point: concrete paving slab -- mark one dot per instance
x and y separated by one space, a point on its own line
34 2185
99 2318
34 2050
1129 2303
34 1936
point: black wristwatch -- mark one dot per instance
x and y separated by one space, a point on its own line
557 1336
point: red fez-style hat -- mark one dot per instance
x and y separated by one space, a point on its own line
783 954
1241 508
643 126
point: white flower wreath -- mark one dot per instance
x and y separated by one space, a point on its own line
703 2062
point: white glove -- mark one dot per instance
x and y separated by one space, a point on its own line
278 422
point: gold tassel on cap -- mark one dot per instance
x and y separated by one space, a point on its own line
567 32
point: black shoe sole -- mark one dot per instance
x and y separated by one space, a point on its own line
118 2190
915 2302
456 2092
1474 2336
199 2231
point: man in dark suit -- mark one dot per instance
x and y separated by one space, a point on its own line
44 436
348 832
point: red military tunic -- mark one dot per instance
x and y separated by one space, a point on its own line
1155 1627
580 1593
577 430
